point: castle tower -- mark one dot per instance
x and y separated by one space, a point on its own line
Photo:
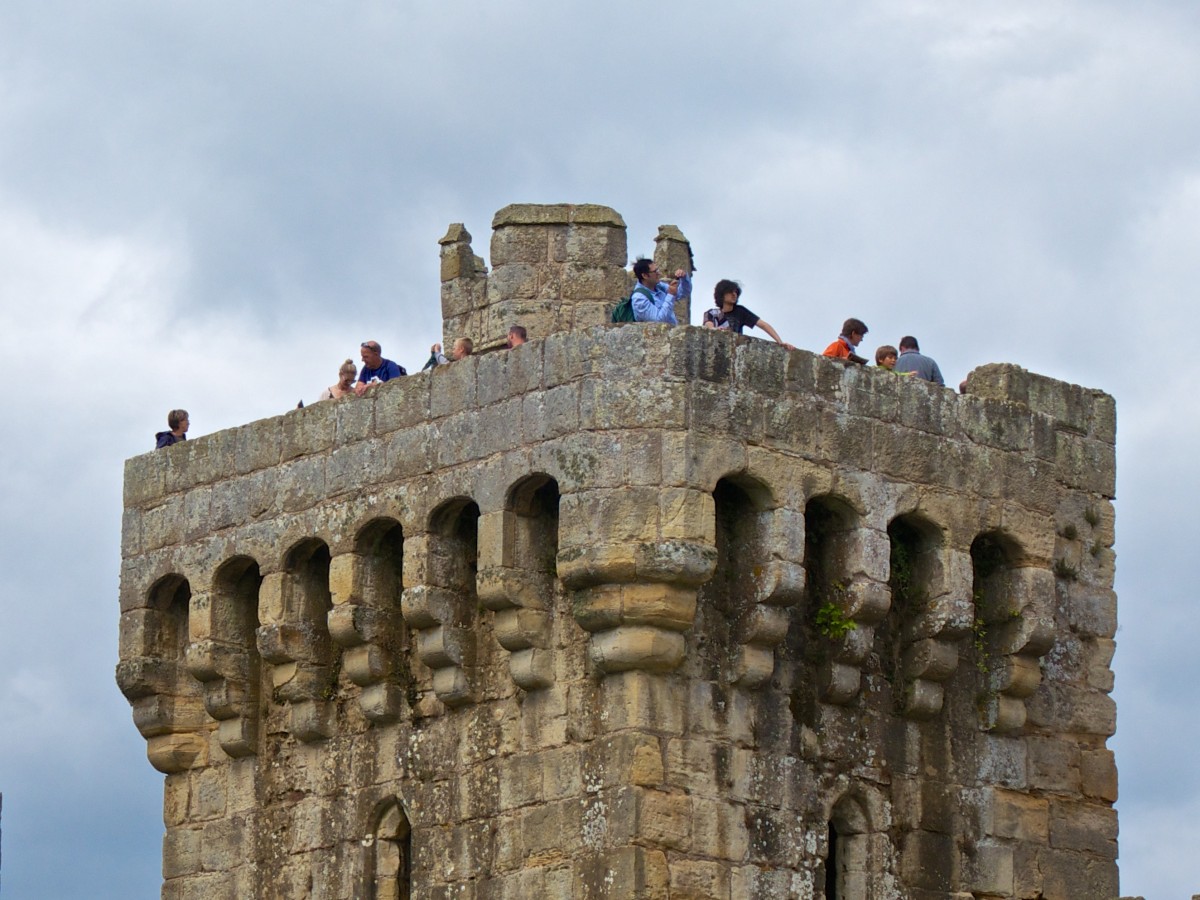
630 611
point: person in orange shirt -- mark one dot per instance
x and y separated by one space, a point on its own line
853 331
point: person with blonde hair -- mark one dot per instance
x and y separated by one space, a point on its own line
463 347
345 384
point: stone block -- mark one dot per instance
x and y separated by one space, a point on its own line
1053 764
1086 827
929 861
665 819
719 829
1091 611
181 852
989 869
1086 464
641 700
1098 773
1073 710
620 759
636 873
1016 815
699 880
1069 875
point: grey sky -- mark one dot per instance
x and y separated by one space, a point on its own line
210 206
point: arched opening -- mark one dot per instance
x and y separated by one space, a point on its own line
534 502
847 860
228 662
454 547
235 603
389 864
729 600
829 524
380 543
309 600
914 544
169 600
298 632
1013 628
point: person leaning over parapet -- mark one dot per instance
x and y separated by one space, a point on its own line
375 368
729 315
654 299
463 347
345 382
912 360
177 421
517 335
853 331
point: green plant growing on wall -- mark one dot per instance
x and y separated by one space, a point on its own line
832 622
1069 531
1092 516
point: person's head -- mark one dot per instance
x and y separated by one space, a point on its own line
517 336
463 348
908 342
854 330
886 356
347 371
646 272
372 354
726 293
177 421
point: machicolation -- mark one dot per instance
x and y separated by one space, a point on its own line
633 612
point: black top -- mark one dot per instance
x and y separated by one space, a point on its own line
735 320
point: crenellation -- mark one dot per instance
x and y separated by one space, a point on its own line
544 622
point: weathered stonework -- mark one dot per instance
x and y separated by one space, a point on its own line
630 612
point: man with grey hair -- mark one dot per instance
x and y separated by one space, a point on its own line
911 359
375 368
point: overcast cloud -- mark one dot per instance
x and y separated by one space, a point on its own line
209 205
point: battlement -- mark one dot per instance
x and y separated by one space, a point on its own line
630 610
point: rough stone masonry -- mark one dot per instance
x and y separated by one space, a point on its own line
632 612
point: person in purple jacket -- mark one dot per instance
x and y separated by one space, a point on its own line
177 421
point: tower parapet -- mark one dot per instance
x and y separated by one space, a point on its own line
631 612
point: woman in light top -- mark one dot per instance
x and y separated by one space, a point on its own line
345 383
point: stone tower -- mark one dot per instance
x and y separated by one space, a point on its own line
632 612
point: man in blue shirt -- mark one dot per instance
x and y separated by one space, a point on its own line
654 300
375 368
912 360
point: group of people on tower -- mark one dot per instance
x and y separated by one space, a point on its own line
653 300
908 361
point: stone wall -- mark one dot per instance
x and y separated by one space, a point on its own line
633 612
555 268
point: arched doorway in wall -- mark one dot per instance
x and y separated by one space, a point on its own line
742 517
847 861
388 866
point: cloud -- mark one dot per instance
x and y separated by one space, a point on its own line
210 206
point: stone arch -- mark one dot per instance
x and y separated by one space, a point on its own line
751 583
168 708
365 619
388 846
442 604
294 638
918 639
223 654
1013 627
848 864
843 601
518 576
